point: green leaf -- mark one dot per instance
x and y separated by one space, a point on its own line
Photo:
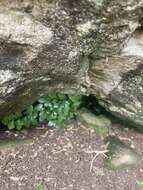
74 98
19 124
55 108
52 123
30 110
11 125
61 96
52 96
42 100
26 122
42 116
38 107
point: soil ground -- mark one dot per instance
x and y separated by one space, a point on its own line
58 159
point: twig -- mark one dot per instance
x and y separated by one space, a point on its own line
97 153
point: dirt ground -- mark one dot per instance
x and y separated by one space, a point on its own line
59 159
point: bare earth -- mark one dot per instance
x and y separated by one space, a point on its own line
61 159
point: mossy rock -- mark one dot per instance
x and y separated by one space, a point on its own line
120 155
99 122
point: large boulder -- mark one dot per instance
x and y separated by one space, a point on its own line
82 47
117 82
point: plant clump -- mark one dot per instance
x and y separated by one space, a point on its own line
54 109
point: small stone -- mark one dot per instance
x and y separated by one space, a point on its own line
100 122
120 155
14 178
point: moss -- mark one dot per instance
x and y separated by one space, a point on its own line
100 123
119 155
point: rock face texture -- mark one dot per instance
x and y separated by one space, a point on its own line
117 81
83 47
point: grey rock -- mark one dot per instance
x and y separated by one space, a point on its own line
118 82
100 123
45 46
120 156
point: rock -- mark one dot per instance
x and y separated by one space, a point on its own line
120 155
75 47
99 122
39 52
118 82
